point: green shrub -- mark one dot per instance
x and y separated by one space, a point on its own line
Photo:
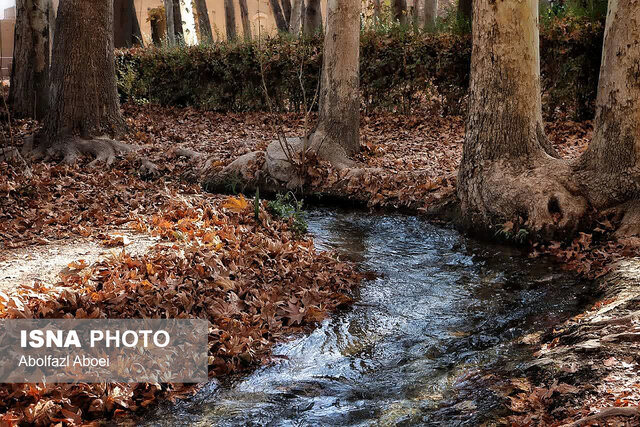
286 206
402 70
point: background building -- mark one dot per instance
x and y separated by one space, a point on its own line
7 27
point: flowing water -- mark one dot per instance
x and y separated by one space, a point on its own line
418 346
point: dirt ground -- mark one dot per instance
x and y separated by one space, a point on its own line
45 263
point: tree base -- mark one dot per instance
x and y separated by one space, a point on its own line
284 166
541 198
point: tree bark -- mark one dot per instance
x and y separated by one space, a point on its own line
430 13
608 170
230 19
295 23
83 92
312 17
508 170
171 26
416 11
339 101
377 8
246 23
286 9
204 24
177 20
28 93
399 8
126 28
281 23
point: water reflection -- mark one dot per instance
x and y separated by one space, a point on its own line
442 308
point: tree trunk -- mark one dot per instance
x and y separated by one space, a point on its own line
281 23
507 173
608 169
177 21
28 93
313 17
83 93
295 23
339 101
377 9
189 24
126 28
399 8
230 19
171 26
417 13
204 24
283 165
286 9
246 23
430 13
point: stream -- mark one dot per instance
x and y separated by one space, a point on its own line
418 346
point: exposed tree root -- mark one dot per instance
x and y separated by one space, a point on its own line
12 154
541 198
596 352
104 150
288 165
630 224
604 414
71 149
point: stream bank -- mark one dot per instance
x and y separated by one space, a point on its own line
594 356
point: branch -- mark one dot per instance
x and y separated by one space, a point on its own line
606 413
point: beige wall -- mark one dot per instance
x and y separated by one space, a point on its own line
260 16
7 27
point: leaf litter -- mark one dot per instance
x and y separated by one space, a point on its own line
255 280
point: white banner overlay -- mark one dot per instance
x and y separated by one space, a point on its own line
103 350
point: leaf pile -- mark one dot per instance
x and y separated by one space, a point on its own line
254 281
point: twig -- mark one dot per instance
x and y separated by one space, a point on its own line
280 134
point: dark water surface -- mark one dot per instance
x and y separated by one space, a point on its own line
444 311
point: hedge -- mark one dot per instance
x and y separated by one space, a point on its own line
401 71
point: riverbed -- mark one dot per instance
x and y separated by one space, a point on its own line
441 316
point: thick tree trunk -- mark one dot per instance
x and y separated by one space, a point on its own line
126 28
608 170
339 102
29 91
507 171
204 24
83 93
295 23
399 8
230 19
312 17
171 26
286 9
281 23
246 23
430 13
